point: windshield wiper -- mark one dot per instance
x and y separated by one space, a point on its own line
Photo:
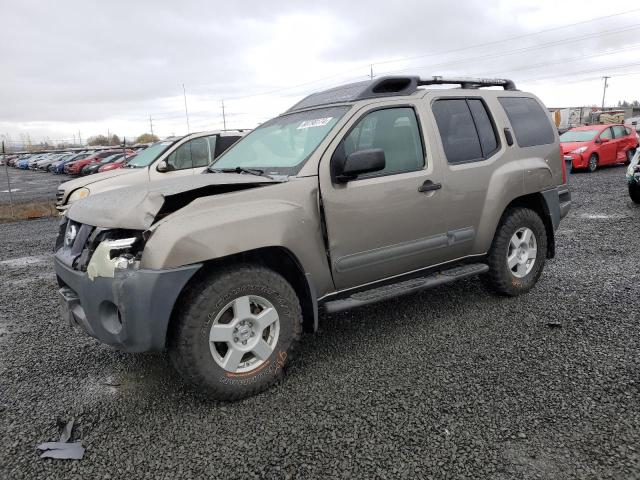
251 171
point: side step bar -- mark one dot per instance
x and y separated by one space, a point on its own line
386 292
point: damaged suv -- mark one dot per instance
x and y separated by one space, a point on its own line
354 195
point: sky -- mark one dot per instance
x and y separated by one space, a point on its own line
82 68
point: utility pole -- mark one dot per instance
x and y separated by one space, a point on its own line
79 138
224 118
6 171
604 90
151 124
186 112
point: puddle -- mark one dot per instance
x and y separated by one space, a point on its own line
26 261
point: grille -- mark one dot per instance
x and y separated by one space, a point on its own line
59 198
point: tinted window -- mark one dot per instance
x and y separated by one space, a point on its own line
484 126
606 133
619 131
457 130
531 124
225 142
396 132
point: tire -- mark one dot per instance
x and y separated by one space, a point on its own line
593 163
630 153
634 192
502 279
215 300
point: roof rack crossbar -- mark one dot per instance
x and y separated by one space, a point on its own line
471 83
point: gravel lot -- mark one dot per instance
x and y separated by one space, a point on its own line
450 383
29 185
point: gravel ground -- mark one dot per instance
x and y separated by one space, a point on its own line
29 185
450 383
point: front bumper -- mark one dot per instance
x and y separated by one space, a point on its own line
130 311
577 160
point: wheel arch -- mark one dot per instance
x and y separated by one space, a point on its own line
277 258
537 203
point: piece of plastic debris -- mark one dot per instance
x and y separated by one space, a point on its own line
554 324
62 450
65 435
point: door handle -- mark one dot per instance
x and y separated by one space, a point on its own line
429 186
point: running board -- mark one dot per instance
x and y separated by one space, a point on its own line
386 292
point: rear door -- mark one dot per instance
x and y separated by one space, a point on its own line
623 143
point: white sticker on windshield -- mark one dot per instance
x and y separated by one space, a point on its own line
317 122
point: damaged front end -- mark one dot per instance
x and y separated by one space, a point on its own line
104 291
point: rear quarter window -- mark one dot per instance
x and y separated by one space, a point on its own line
531 124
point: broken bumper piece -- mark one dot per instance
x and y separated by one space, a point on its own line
130 310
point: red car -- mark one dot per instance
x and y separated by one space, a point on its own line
121 162
592 146
74 168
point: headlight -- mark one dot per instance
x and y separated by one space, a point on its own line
111 255
579 150
78 194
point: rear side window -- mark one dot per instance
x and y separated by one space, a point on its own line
531 125
619 131
223 143
466 129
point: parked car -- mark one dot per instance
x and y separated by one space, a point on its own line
58 167
170 158
95 166
353 196
119 163
590 147
75 167
633 177
24 163
43 165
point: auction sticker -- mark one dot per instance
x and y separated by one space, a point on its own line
317 122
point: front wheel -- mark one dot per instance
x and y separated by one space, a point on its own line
517 255
235 331
593 163
634 192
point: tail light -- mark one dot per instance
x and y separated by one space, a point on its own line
564 167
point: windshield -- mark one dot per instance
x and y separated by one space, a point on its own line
578 135
148 155
282 145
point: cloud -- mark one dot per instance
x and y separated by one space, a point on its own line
97 65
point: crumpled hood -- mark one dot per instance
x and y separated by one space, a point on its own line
571 146
138 206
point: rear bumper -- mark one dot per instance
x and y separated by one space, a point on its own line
130 311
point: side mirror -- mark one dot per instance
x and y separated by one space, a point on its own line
163 167
344 169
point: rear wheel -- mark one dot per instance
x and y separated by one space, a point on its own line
634 192
630 154
518 252
593 163
235 331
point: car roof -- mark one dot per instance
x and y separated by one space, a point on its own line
391 86
595 127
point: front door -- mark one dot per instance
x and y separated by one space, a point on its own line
189 158
381 224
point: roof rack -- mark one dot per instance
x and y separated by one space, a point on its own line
471 83
392 86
